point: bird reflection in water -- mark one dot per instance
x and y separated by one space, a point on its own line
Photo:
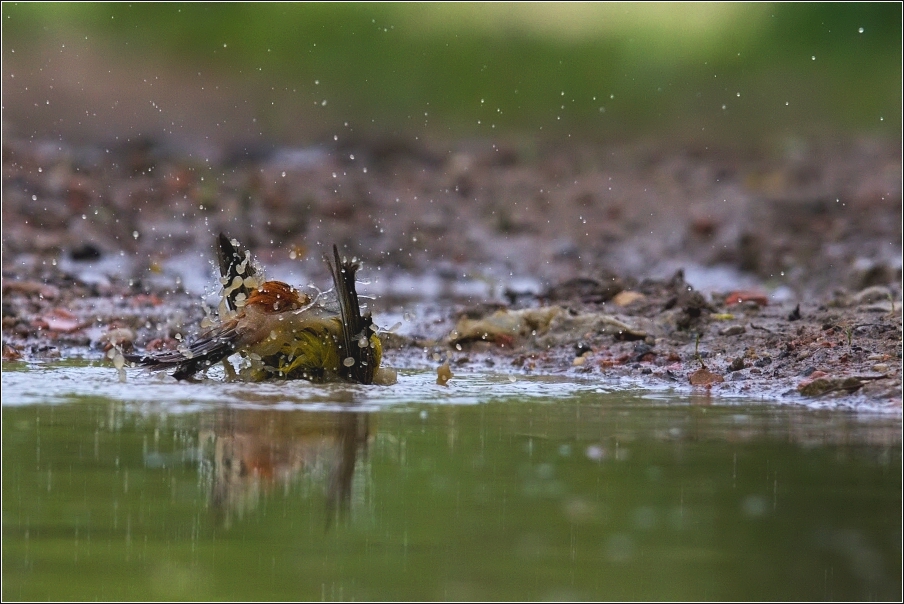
248 453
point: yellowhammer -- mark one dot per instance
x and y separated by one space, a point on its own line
279 331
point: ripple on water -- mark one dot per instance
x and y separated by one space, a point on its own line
57 383
67 381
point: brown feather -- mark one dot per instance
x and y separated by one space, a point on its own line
276 296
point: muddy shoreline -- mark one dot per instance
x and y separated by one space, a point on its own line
770 271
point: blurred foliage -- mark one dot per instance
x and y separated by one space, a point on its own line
468 69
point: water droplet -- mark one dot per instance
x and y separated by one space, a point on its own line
595 453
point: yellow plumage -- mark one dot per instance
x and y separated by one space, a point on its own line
308 352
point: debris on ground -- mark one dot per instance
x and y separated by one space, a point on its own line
671 266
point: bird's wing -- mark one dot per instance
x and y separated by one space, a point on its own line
211 346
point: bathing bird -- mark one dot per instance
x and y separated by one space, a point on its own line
279 331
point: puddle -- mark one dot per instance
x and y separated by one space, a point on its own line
497 487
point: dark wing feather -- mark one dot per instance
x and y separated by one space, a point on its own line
210 347
230 258
354 326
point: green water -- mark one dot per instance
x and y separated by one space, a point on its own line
553 491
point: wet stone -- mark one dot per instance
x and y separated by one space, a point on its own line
581 349
734 330
869 295
85 252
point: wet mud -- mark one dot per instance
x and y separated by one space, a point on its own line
772 270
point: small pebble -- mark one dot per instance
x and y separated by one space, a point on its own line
876 293
880 367
119 335
626 297
443 374
734 330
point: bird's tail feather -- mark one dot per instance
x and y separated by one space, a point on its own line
355 342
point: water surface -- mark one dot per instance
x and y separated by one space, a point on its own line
497 487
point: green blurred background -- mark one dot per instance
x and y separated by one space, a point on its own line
294 72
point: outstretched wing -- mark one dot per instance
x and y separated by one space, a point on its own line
209 347
235 267
358 357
